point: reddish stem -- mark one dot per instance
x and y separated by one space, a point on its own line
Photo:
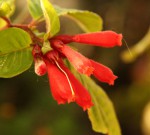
7 21
34 38
25 27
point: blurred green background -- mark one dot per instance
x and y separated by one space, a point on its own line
26 104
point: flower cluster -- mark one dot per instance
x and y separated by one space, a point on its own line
64 86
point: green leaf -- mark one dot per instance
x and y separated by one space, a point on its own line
43 8
15 52
7 7
46 47
102 111
102 114
88 21
51 18
35 9
4 9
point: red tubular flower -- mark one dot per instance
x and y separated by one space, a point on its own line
60 87
81 63
39 65
64 86
104 39
103 73
82 96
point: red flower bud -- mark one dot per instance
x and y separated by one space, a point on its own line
36 51
104 39
103 73
39 66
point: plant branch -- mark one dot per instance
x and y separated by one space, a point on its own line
7 21
26 28
34 38
34 22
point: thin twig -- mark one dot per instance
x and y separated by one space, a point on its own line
24 27
7 21
34 38
34 22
